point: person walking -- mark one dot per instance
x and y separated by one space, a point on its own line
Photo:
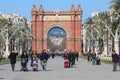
114 60
76 55
71 58
12 58
88 56
0 57
119 59
34 62
44 59
53 55
93 58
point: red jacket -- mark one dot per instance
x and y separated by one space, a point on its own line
114 58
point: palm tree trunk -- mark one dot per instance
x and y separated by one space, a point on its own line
105 47
7 52
20 47
116 45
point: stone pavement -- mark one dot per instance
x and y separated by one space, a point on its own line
83 70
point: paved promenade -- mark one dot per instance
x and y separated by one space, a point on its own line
83 70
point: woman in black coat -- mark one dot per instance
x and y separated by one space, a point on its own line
12 58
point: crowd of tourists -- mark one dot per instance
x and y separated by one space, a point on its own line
70 57
95 59
34 59
41 57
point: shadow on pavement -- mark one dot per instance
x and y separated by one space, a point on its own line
2 69
117 70
49 70
32 70
1 78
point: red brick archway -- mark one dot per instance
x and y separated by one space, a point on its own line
69 21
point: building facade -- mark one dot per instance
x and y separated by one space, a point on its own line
44 21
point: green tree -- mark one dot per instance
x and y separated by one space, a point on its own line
115 15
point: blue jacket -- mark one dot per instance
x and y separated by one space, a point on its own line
119 58
43 56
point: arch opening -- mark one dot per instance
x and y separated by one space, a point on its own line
56 37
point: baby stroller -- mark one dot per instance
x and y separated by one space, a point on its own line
98 60
24 62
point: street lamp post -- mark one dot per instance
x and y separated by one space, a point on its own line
1 48
7 52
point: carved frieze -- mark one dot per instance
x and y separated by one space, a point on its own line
57 18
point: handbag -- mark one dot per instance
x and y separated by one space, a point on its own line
31 64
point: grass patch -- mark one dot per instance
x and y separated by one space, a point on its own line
7 61
4 61
83 57
102 61
106 61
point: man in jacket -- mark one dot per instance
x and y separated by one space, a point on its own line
71 58
44 58
114 60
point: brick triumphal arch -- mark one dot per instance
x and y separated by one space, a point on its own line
69 21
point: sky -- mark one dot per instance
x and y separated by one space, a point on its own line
23 7
58 32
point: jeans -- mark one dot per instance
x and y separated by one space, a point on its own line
93 61
114 66
119 64
44 65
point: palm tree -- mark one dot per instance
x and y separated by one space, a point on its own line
104 19
89 33
13 32
95 32
98 33
3 23
23 37
115 14
115 6
112 27
105 24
